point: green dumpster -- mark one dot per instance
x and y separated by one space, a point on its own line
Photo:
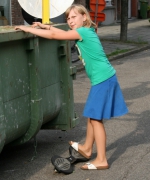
1 10
36 88
143 8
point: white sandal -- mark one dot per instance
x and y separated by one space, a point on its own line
90 166
75 146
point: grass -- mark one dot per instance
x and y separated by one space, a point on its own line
117 51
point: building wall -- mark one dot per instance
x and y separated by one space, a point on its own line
17 18
83 2
118 9
134 8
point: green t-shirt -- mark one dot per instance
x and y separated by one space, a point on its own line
91 52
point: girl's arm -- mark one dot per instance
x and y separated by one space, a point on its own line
50 32
45 26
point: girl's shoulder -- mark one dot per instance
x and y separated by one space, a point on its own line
85 30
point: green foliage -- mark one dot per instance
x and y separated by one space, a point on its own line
148 8
118 51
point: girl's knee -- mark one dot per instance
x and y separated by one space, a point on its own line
95 121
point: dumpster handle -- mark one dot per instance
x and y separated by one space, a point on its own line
62 50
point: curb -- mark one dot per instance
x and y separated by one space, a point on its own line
80 67
133 51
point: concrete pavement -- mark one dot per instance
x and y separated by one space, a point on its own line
138 30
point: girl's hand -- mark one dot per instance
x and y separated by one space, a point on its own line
23 28
38 24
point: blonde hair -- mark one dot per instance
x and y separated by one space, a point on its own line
82 10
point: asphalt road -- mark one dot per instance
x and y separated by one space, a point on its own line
128 137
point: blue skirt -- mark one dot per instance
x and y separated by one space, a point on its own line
105 100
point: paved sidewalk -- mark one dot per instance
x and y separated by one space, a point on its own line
138 31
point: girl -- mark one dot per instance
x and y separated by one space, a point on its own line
105 99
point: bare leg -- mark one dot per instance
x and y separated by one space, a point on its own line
100 140
87 146
89 137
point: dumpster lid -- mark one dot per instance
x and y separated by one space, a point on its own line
5 29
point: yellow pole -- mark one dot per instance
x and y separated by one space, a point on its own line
45 11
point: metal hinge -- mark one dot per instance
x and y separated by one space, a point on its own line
73 72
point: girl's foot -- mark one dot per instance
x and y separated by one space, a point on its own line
96 164
90 166
81 149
